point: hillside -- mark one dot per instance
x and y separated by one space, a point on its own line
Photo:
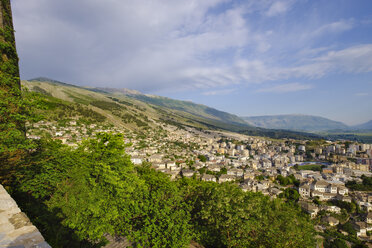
184 106
132 110
364 126
305 123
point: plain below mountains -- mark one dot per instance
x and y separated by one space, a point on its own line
307 123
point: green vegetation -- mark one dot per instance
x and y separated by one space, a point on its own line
290 194
289 180
366 184
75 196
313 167
350 207
202 158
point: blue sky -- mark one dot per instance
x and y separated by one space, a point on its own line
244 57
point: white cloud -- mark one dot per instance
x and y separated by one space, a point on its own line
278 7
285 88
218 92
173 45
334 27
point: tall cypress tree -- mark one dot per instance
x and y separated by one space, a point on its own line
13 142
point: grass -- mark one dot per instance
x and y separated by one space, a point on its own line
313 167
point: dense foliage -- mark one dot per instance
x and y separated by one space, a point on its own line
289 180
366 184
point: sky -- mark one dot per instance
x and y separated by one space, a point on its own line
246 57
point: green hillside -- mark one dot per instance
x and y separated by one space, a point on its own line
132 110
184 106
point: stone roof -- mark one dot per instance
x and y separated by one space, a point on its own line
16 230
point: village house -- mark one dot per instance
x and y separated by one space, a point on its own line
136 160
226 178
331 209
309 208
208 178
331 220
187 173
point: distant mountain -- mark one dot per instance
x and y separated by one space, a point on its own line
307 123
364 126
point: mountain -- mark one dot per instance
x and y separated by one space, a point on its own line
185 106
364 126
133 110
307 123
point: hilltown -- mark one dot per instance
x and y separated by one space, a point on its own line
319 175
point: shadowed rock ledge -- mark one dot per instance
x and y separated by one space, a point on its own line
16 230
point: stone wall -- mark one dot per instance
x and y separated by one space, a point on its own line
16 230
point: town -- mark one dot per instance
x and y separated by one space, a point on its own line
329 180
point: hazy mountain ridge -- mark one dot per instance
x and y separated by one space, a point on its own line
296 122
364 126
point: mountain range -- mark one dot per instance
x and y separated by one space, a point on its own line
135 110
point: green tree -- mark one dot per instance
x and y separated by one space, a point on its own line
101 190
290 194
202 158
337 243
224 216
163 219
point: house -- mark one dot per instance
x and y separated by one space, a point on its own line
235 172
309 208
327 170
226 178
331 220
342 190
158 166
274 191
320 186
136 160
214 168
332 209
157 158
343 198
170 164
304 190
361 228
187 173
208 178
369 218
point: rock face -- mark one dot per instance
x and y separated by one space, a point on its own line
16 230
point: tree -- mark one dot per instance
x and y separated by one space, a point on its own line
337 243
163 219
101 190
290 194
225 216
202 158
